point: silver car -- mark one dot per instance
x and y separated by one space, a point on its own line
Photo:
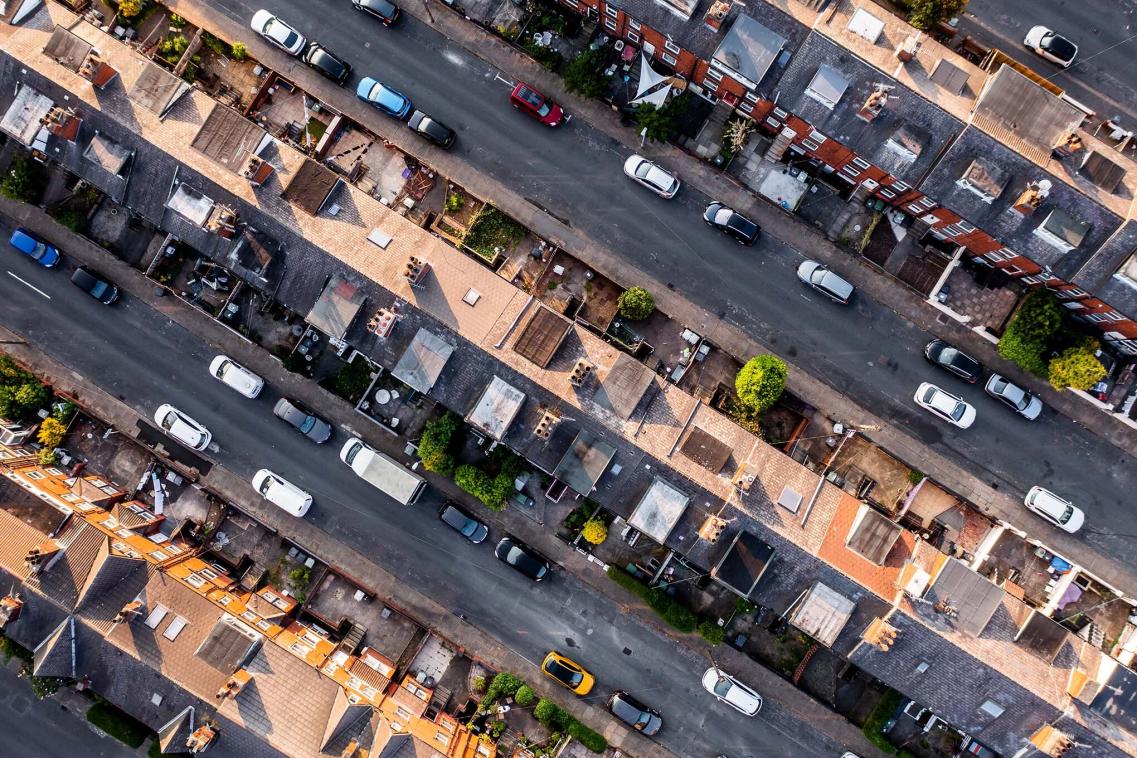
302 420
660 181
1022 402
825 281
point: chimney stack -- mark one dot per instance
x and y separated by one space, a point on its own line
580 372
416 270
382 323
10 607
712 528
1032 197
1071 144
546 424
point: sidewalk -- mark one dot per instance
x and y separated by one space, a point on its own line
387 587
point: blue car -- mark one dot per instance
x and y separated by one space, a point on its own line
39 251
390 101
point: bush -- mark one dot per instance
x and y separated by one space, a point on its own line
678 616
525 696
172 48
131 8
924 14
594 532
761 382
1023 351
23 181
48 457
474 481
584 74
585 736
636 304
1077 368
503 685
72 219
353 380
123 727
712 632
20 392
435 445
238 52
454 202
549 58
51 433
879 716
552 716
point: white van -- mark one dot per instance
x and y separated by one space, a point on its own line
281 492
235 376
382 472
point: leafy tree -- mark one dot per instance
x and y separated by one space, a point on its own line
435 445
663 122
584 74
1040 316
23 181
636 304
481 485
1024 351
924 14
352 380
238 51
761 382
594 532
131 8
504 684
525 696
1076 368
20 392
51 433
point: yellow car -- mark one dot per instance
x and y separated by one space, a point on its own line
565 672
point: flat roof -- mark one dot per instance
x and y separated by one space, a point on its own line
422 362
106 153
542 336
749 48
706 450
67 48
743 563
584 462
624 385
156 89
823 613
229 138
986 176
659 510
337 306
1117 700
827 86
974 598
1024 116
188 202
23 117
311 186
496 408
872 535
1042 635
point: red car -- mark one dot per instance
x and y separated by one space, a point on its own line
533 103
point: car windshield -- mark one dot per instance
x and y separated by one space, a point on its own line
643 170
1066 515
266 485
722 687
307 424
99 289
544 110
958 411
38 251
169 420
564 673
469 528
1058 46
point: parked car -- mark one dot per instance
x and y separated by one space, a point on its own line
303 420
645 173
825 281
235 376
325 62
390 101
94 285
522 557
387 12
1057 510
567 673
731 691
463 523
952 359
731 222
432 129
1023 402
281 492
1051 45
181 427
635 714
533 103
945 405
277 32
39 251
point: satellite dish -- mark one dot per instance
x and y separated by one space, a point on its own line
1044 185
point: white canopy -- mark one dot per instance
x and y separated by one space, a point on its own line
654 87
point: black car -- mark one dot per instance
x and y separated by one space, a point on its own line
463 523
744 231
522 557
952 359
302 420
94 285
384 10
318 57
635 714
435 131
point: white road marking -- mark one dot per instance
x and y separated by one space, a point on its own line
454 58
29 285
499 78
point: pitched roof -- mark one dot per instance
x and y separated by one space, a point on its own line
228 645
1022 115
336 308
156 89
749 48
67 572
53 656
67 48
422 362
311 186
19 538
173 734
344 723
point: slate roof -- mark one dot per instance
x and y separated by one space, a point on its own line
157 90
1042 636
19 538
1117 700
68 572
974 598
67 48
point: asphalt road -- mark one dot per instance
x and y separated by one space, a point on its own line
867 351
145 359
1104 75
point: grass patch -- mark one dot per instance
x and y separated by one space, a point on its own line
880 715
123 727
316 129
491 230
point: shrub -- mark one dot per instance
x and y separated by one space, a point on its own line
454 202
117 724
660 123
131 8
924 14
712 632
525 696
51 433
48 457
24 179
172 48
679 616
585 736
636 304
1024 351
552 716
584 74
594 532
353 379
20 392
761 382
1077 368
879 716
503 685
434 447
72 219
1039 317
238 52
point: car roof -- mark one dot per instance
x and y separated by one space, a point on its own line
23 241
454 515
942 401
835 284
1045 500
524 92
521 556
84 278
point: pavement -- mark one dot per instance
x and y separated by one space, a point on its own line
122 361
860 364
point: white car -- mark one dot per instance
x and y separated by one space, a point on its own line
235 376
658 180
182 428
731 691
1050 45
281 492
278 33
945 405
1058 511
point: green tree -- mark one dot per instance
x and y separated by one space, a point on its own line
481 485
23 181
636 304
594 532
584 73
663 122
131 8
20 392
238 52
924 14
1076 368
1040 316
761 382
525 696
51 433
1024 351
435 446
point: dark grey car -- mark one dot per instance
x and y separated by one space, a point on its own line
635 714
522 557
94 285
322 60
432 129
731 222
952 359
302 420
463 523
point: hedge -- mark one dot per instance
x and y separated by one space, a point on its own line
673 612
879 716
557 719
122 726
585 736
